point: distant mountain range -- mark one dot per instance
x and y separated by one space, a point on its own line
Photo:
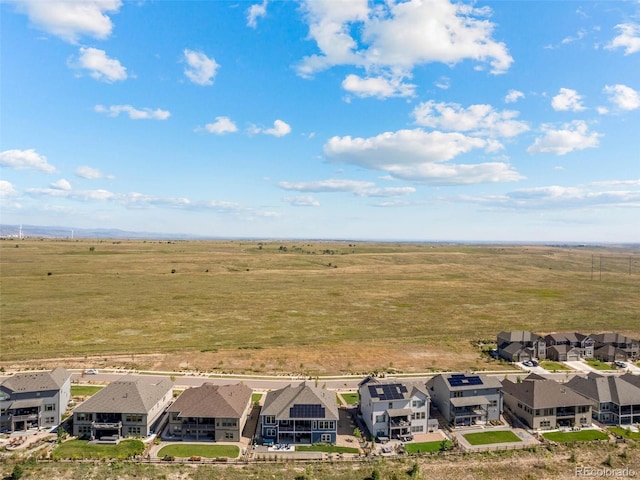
15 231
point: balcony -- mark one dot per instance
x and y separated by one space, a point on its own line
565 412
30 417
106 425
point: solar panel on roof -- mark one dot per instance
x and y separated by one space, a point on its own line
306 411
459 380
394 391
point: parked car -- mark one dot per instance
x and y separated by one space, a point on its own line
91 371
620 364
528 363
534 363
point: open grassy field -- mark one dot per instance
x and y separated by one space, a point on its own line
186 450
307 307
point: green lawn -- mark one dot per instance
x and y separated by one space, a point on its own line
84 390
599 364
256 397
351 398
326 448
498 436
623 432
185 450
580 436
426 447
553 366
78 449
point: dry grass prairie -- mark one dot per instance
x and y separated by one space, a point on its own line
310 307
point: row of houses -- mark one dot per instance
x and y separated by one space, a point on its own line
520 346
393 408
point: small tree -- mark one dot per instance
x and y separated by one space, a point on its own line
16 473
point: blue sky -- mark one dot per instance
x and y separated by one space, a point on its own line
410 120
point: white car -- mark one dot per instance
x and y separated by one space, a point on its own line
91 371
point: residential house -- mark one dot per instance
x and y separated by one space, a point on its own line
630 346
546 404
520 346
466 399
563 353
301 414
34 400
216 412
615 399
610 353
583 344
395 409
128 407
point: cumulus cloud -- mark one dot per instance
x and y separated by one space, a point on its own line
567 99
99 65
70 20
572 136
221 126
280 129
357 187
90 173
629 38
303 201
25 159
200 69
381 87
7 189
480 119
134 113
625 98
395 37
61 184
513 96
258 10
419 156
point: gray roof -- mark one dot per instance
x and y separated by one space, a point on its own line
279 402
569 337
543 393
37 381
129 394
515 347
213 401
412 388
613 337
486 381
520 336
608 388
562 349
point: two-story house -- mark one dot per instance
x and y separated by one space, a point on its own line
615 399
395 409
520 346
568 346
214 412
466 399
545 404
301 414
128 407
610 347
34 400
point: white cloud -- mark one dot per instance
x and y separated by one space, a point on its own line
629 38
71 19
256 11
513 96
331 185
25 159
90 173
304 201
443 83
397 36
280 129
579 36
7 189
221 126
625 98
381 87
200 69
602 110
99 65
61 184
567 99
418 156
134 113
572 136
477 119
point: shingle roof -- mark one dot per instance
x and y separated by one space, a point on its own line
612 337
213 401
543 393
129 394
520 336
37 381
621 390
486 381
411 387
279 402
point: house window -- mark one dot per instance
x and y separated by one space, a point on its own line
270 419
417 403
457 394
83 417
177 428
545 424
380 418
326 425
50 407
49 419
271 432
417 429
228 435
325 438
417 416
229 423
133 418
135 431
493 403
